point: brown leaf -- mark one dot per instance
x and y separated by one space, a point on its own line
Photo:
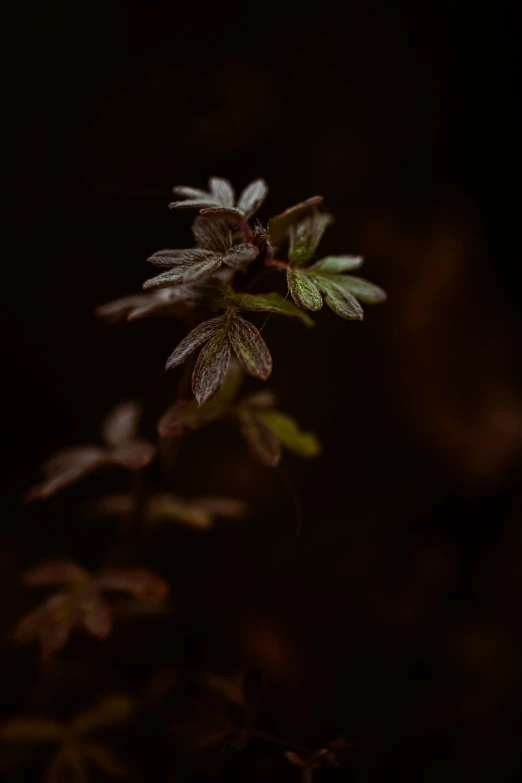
57 572
279 226
211 367
121 423
195 338
261 441
137 581
250 348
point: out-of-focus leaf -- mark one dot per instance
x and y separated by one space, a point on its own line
188 415
337 264
112 505
135 454
31 730
252 197
265 398
240 256
212 234
305 236
195 338
121 423
304 290
171 301
279 226
56 572
216 293
250 348
168 507
222 506
96 616
295 759
104 759
261 441
110 711
65 468
286 429
51 624
211 367
138 581
273 303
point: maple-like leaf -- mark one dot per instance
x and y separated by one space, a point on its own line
122 447
80 602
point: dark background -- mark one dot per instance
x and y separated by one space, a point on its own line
395 617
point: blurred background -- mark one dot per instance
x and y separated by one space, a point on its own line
394 619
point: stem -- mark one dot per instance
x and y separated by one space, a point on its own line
276 263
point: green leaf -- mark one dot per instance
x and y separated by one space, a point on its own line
305 444
279 226
250 348
306 235
261 441
303 289
363 289
273 303
32 730
211 367
337 264
338 299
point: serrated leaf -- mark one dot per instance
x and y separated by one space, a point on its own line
337 264
110 711
261 441
252 197
286 429
273 303
170 258
222 191
250 348
184 273
364 290
279 226
303 290
212 234
240 256
306 235
31 730
211 367
193 340
340 300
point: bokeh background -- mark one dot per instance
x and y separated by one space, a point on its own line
394 618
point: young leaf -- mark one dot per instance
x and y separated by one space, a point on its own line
273 303
222 191
211 367
240 256
363 289
304 291
170 258
212 234
184 273
193 340
250 348
306 235
339 299
279 226
252 197
286 429
229 214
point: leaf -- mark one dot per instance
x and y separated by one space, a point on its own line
337 264
229 214
195 338
240 256
187 192
363 289
222 191
188 415
339 300
51 623
110 711
279 226
261 441
216 293
306 235
304 291
57 572
138 581
286 429
65 468
295 759
96 617
252 197
170 258
31 730
184 273
175 509
211 367
273 303
250 348
192 203
222 507
121 424
161 301
112 505
135 454
212 234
